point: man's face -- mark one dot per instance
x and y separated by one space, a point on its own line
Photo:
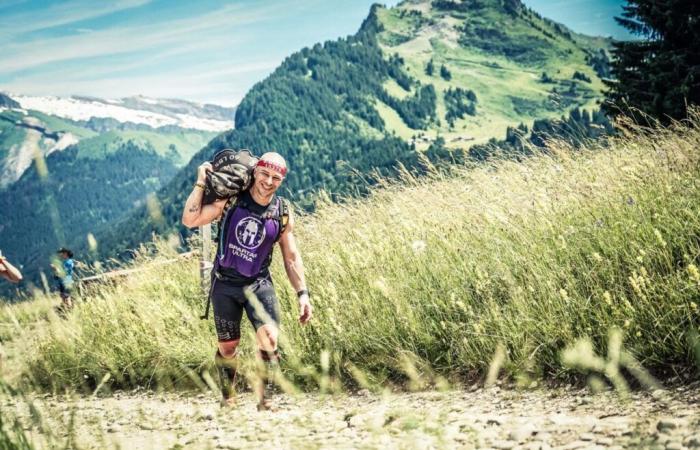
63 255
267 181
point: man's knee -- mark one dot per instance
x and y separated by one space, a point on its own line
267 337
228 349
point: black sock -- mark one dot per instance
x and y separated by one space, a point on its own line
226 367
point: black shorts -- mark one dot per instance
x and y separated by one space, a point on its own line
65 289
257 299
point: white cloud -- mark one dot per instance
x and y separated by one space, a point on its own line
213 56
61 14
223 84
126 39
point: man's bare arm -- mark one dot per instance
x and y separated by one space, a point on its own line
10 272
294 267
195 214
293 264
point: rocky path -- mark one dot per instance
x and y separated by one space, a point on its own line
479 418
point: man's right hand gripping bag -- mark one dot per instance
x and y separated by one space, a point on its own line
232 174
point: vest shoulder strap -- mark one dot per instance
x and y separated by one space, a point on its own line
230 206
280 213
283 209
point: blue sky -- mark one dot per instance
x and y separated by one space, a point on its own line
205 50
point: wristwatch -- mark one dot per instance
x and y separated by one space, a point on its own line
302 292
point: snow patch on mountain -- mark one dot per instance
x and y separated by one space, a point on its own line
66 140
36 145
83 108
19 158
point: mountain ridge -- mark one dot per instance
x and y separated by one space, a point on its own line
139 110
34 125
342 106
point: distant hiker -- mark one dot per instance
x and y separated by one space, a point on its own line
252 222
8 271
64 276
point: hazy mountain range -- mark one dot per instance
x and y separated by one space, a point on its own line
31 125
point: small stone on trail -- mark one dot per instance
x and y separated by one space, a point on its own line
504 445
668 424
585 400
520 434
575 444
543 436
658 394
692 441
587 437
355 421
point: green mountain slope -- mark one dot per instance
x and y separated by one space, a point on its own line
519 66
365 102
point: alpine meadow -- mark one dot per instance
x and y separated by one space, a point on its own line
499 226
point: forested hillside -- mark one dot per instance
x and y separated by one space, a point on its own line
62 178
73 197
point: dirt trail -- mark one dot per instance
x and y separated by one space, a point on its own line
481 418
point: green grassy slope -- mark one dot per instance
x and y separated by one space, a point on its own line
184 143
15 126
10 134
501 56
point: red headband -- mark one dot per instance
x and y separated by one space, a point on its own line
273 166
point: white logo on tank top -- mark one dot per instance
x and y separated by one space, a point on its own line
250 233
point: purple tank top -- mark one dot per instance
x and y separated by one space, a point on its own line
248 240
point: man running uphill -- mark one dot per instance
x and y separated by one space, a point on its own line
241 280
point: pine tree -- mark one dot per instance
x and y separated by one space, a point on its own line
430 68
659 74
445 73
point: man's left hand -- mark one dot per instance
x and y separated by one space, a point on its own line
304 309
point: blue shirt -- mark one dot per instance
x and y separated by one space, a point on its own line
68 265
